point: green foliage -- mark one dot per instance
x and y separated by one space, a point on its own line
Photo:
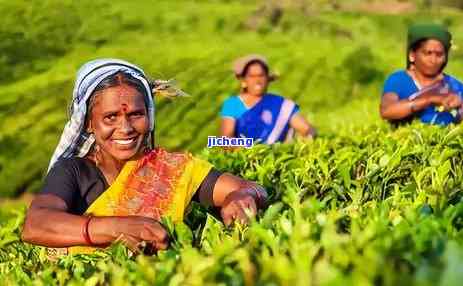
29 39
378 206
332 65
361 66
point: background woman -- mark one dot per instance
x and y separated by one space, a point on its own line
423 90
254 113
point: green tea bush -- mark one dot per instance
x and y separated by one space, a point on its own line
379 206
34 33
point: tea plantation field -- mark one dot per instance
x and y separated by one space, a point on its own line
363 204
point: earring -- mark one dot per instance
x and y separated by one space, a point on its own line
146 144
243 85
145 147
97 155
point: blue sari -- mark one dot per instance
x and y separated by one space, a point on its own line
402 84
268 120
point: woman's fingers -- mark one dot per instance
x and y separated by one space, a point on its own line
456 102
248 206
234 215
242 217
232 212
146 229
155 233
131 242
240 210
161 245
227 216
452 101
252 207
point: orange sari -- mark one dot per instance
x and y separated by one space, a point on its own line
160 184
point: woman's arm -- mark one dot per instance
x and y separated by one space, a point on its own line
237 198
302 126
227 127
392 108
48 224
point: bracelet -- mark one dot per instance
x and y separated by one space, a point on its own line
412 106
259 197
85 233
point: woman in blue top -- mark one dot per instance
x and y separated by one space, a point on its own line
254 113
423 90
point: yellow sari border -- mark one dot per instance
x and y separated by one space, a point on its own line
157 185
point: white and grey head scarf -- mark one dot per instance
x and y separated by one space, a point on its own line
75 141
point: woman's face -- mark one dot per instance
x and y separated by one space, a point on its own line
429 57
256 79
119 121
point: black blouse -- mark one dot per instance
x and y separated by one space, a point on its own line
79 182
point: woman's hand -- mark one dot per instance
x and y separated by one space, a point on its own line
451 101
446 101
239 206
434 99
141 233
238 199
394 108
302 126
67 229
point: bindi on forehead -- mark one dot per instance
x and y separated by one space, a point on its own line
127 100
124 107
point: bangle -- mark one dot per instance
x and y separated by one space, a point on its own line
412 106
85 233
258 196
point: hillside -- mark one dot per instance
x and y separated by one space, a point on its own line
331 63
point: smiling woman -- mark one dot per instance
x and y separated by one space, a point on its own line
253 113
118 118
107 182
